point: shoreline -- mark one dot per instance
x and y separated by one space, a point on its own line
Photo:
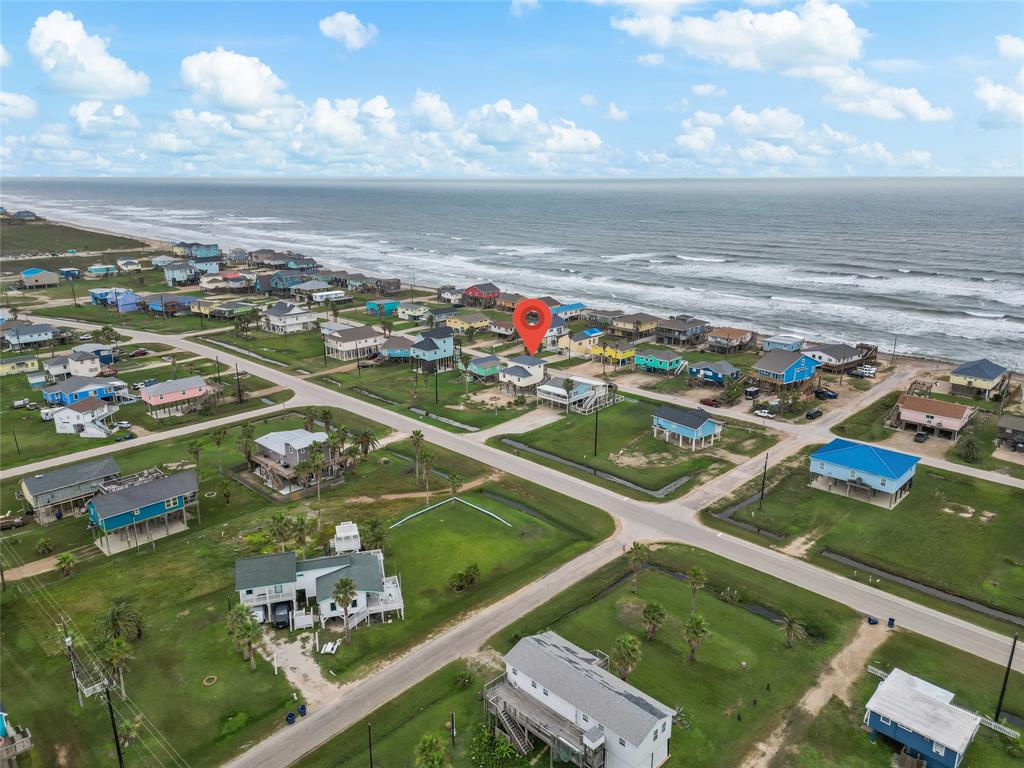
881 354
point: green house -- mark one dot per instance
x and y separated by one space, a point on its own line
487 365
659 360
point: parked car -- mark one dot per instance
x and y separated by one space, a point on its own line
259 612
32 406
824 393
123 424
85 337
764 414
11 522
139 353
814 413
857 375
108 371
920 437
711 402
281 611
20 404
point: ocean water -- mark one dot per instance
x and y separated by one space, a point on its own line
936 265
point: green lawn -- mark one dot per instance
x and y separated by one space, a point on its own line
868 424
627 449
834 738
294 351
140 321
45 236
982 429
398 383
913 539
144 282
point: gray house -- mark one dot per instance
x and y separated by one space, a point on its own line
66 489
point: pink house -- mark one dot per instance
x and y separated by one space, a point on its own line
177 396
945 419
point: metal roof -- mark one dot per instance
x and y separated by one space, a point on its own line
174 385
107 505
980 369
837 351
516 370
76 383
866 458
780 360
364 568
527 360
265 570
660 354
722 367
296 438
573 675
75 474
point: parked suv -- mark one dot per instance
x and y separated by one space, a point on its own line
711 402
281 611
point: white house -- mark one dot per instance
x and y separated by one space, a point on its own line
555 331
410 311
523 373
354 343
346 538
285 317
584 392
306 586
451 295
129 265
86 418
835 355
557 693
59 367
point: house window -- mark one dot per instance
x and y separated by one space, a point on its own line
545 691
585 718
515 671
533 683
622 742
853 473
883 482
171 503
938 749
655 737
663 727
278 589
248 591
885 720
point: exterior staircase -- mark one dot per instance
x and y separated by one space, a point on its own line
520 740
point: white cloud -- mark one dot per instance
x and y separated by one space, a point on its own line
1010 46
93 116
771 122
766 153
501 123
347 29
338 122
615 113
232 80
698 139
523 7
5 57
379 115
708 89
651 59
566 137
700 117
77 62
432 111
16 106
876 153
588 100
816 40
1002 100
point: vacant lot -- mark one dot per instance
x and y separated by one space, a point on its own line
46 237
869 424
294 351
144 282
141 321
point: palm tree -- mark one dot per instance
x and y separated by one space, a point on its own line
326 417
193 449
247 442
225 492
128 731
344 593
653 619
280 528
697 580
352 452
217 437
309 417
427 463
638 556
454 484
430 753
792 628
417 441
121 619
568 385
249 635
386 326
695 632
367 441
66 563
377 534
115 655
301 528
44 546
625 655
969 450
238 614
465 358
336 440
316 464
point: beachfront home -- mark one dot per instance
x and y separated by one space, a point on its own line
581 343
468 322
354 343
504 328
307 586
1010 431
86 418
681 331
396 348
780 368
98 271
559 694
176 396
782 341
922 718
522 374
726 341
835 358
434 349
23 336
602 317
635 326
285 317
582 394
61 491
675 424
409 311
979 379
129 265
76 388
449 294
506 302
554 333
25 215
481 295
195 250
572 311
440 315
34 277
159 262
387 286
614 351
18 364
924 414
719 372
180 273
382 307
864 471
140 508
666 361
482 367
205 265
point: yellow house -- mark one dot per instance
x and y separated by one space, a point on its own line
581 343
635 325
615 351
461 324
22 364
979 379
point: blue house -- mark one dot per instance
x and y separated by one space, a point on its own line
433 347
140 512
922 718
856 468
196 250
569 311
119 299
69 273
784 342
208 265
781 368
101 270
76 388
397 348
675 424
717 373
382 307
284 280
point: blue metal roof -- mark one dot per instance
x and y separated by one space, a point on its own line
866 458
980 369
32 271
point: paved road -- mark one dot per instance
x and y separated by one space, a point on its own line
674 521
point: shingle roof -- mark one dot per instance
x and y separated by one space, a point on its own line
57 361
935 407
88 405
71 475
174 385
660 354
516 370
312 285
75 383
485 287
441 332
426 345
1009 421
637 317
722 367
485 360
694 418
397 342
359 333
729 333
265 570
573 676
527 360
472 317
980 369
675 324
137 496
779 361
837 351
866 458
281 308
364 568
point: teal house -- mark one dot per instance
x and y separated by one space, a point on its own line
396 348
665 361
382 307
864 471
483 367
135 509
679 425
433 348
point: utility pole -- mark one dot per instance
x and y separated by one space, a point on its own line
16 446
597 410
453 729
894 337
113 727
216 359
74 298
764 479
369 739
238 384
435 385
1006 678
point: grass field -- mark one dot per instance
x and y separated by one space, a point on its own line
140 321
868 424
144 282
834 738
294 351
982 429
397 383
627 449
47 237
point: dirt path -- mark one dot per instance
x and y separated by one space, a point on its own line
837 679
801 545
295 658
496 475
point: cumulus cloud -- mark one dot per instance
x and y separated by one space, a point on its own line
816 40
93 116
616 113
651 59
697 139
348 30
566 137
232 80
79 63
430 110
708 89
1001 100
1010 46
16 106
5 57
771 122
588 100
700 117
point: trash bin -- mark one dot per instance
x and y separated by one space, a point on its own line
891 623
302 710
290 718
872 620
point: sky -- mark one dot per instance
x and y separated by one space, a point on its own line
527 88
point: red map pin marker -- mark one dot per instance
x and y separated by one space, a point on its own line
532 318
